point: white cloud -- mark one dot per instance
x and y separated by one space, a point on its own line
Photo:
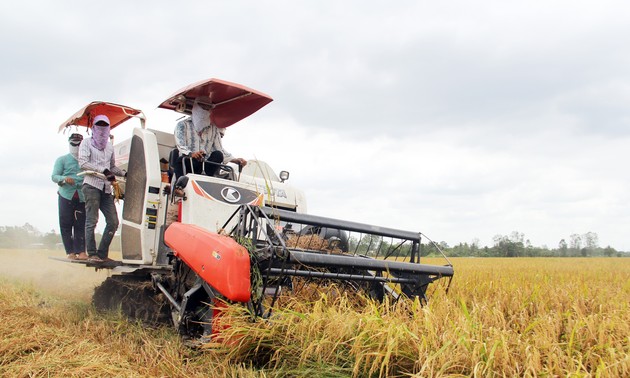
463 120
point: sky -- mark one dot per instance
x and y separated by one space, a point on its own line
462 120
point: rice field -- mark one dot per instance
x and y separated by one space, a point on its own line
501 317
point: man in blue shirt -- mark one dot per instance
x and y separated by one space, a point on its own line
97 154
71 200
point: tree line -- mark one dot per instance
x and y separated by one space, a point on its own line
513 245
516 245
29 237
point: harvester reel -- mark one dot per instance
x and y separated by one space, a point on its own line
303 255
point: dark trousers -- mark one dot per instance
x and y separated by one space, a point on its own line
198 167
72 224
95 200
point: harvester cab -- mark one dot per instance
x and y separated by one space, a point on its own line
241 235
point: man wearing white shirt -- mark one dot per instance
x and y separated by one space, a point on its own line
97 154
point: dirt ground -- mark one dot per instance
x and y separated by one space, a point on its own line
65 279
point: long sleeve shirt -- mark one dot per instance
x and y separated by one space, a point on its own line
208 140
93 159
67 166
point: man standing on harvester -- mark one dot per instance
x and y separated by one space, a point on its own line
71 202
97 154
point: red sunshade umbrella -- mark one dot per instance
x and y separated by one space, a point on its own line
230 102
117 114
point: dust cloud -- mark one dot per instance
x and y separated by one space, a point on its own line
60 278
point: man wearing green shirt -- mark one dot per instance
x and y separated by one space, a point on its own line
71 201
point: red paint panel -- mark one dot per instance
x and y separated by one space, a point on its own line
217 259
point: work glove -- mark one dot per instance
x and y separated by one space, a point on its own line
109 175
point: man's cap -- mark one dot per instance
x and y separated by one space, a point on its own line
101 118
75 137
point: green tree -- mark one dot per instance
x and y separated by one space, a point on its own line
51 239
563 248
575 244
591 242
370 244
509 246
609 251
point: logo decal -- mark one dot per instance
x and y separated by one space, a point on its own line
230 194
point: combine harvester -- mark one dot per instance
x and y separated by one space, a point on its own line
240 236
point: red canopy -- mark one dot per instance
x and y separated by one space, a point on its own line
117 114
230 102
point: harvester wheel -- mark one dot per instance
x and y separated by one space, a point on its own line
195 319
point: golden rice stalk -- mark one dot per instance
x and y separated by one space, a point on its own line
312 242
